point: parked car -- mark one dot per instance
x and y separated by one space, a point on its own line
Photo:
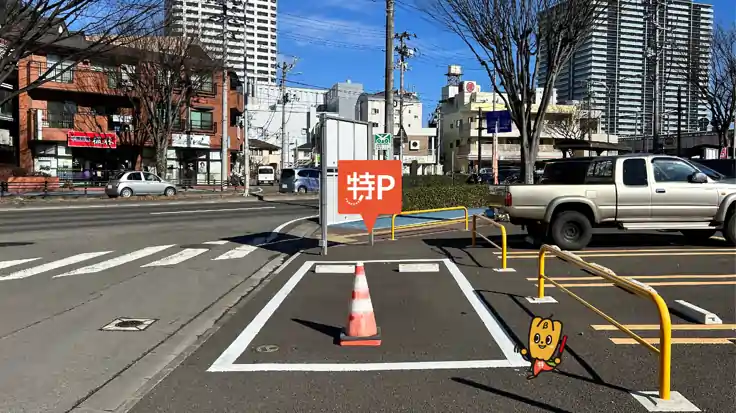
631 192
301 180
265 175
128 183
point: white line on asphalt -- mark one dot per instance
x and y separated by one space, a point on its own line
177 258
416 365
287 262
6 264
277 230
239 252
114 262
219 242
126 205
230 355
197 211
53 265
499 335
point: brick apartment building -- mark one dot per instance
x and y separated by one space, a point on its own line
81 124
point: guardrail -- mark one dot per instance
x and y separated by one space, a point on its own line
504 244
427 224
631 285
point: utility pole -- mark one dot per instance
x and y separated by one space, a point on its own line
246 119
225 141
679 121
389 86
494 143
285 69
654 7
480 135
404 53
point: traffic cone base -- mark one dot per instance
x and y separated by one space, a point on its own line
374 341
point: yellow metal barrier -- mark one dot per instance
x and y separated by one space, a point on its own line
633 286
422 211
503 237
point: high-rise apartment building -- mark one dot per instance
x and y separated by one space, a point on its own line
614 67
251 32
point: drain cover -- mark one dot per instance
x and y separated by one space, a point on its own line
129 324
268 348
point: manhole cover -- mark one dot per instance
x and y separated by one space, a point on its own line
268 348
129 324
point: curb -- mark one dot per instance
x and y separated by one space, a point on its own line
142 203
277 198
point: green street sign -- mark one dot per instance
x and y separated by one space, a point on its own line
382 141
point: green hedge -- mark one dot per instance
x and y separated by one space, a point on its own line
445 196
433 180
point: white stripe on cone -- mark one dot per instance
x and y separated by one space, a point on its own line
361 306
361 283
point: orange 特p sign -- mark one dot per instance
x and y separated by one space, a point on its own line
369 188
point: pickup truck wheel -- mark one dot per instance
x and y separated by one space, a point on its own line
729 230
697 236
571 230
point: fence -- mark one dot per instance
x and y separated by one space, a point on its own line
631 285
431 223
504 240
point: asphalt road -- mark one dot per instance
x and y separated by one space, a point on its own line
67 272
276 352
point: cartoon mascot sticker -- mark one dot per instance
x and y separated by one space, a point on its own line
546 344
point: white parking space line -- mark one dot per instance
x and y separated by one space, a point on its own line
114 262
53 265
177 258
218 242
199 211
239 252
6 264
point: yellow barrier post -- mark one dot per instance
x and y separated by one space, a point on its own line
503 247
475 226
427 224
633 286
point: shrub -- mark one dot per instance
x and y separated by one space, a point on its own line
433 180
445 196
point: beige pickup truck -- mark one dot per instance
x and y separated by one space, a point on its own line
629 192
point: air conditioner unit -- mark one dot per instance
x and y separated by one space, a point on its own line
414 145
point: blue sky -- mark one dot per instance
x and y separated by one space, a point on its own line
336 40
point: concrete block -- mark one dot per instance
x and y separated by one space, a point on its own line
698 314
504 270
424 267
677 402
334 269
544 300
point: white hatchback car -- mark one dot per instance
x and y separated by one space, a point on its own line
129 183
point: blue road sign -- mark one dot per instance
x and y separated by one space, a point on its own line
504 120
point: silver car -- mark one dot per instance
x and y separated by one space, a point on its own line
129 183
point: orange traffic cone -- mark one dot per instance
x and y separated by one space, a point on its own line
361 329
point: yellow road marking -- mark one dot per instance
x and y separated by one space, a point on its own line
654 284
641 277
517 257
679 340
535 253
681 327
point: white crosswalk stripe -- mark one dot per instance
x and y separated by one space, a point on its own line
218 242
239 252
12 263
177 258
117 261
53 265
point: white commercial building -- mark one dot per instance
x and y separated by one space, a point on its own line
251 32
613 68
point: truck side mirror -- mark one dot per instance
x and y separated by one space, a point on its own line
698 178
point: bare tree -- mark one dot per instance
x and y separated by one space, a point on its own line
512 38
574 125
169 72
28 27
717 87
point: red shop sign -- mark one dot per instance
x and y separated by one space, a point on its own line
92 140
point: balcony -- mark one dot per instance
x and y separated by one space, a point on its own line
74 79
201 125
58 120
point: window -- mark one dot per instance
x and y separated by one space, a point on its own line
134 176
374 111
201 120
374 124
151 177
60 114
601 169
204 83
635 172
303 174
313 174
672 170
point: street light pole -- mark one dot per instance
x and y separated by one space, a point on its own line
225 140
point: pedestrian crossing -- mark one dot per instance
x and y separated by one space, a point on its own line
146 257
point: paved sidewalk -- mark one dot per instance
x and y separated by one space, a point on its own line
452 330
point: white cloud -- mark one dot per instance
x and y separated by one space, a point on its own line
329 32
